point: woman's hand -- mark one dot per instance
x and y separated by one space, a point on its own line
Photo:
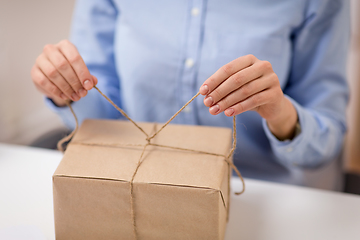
248 83
61 74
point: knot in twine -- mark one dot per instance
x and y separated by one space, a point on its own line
227 158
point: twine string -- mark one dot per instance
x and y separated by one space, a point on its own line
148 139
175 148
172 118
70 136
120 110
132 208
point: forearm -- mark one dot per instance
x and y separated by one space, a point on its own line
320 140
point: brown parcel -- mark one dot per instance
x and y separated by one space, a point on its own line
177 194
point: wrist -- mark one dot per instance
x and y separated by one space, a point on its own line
283 127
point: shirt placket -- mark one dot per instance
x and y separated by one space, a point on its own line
193 42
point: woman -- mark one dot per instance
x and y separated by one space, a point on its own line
278 65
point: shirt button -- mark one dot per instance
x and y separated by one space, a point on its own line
290 149
195 12
189 62
187 109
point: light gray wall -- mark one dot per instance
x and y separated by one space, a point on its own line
25 27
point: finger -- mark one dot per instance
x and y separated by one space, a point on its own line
250 103
233 83
55 77
225 72
241 94
44 85
72 55
43 91
64 68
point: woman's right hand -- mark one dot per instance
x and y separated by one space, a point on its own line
61 74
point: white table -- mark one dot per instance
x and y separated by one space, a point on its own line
266 211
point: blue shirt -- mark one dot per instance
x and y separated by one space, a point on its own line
151 57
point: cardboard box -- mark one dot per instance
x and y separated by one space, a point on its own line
176 194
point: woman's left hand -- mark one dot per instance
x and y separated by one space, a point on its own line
248 83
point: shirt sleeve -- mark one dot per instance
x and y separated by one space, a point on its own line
317 86
93 31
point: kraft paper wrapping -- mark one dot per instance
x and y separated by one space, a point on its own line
176 194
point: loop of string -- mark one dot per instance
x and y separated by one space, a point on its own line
148 139
70 136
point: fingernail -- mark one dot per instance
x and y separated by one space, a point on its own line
75 97
82 92
87 84
229 112
208 101
204 89
63 96
214 109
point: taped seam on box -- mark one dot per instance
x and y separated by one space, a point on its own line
175 185
162 184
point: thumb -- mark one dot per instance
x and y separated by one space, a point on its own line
95 80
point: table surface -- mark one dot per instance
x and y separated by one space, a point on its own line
265 211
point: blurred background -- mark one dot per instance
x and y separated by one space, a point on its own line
26 26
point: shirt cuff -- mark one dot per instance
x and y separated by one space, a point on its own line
288 151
